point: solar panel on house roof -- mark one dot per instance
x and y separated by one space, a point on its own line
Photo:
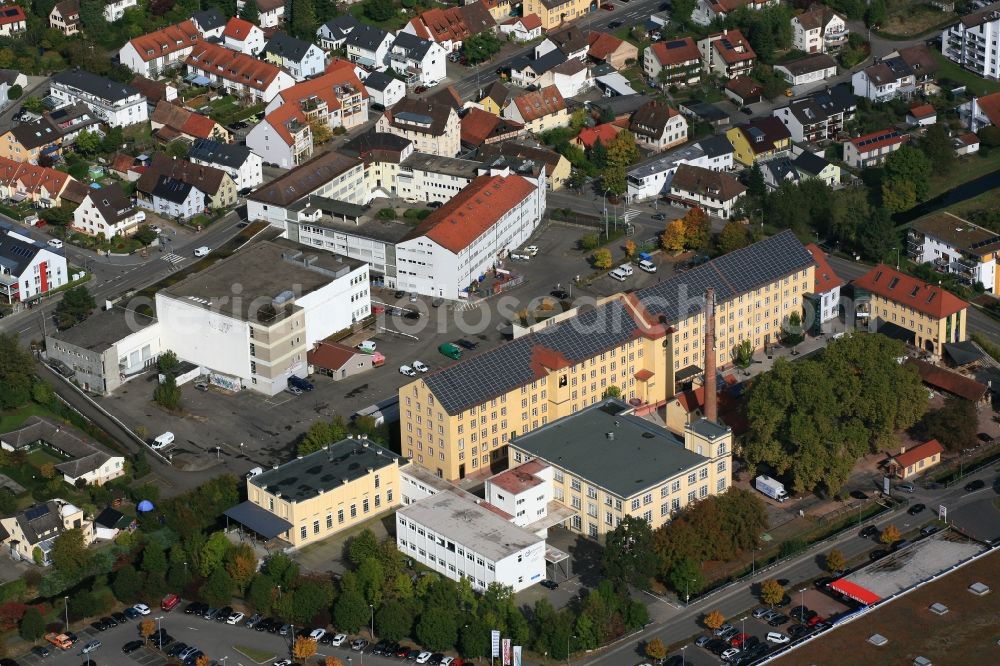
676 44
36 512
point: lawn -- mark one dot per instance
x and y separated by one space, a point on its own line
392 24
228 110
947 70
965 168
909 18
13 420
43 456
255 655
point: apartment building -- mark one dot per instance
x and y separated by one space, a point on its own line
421 61
41 186
432 126
713 191
727 54
237 73
676 62
539 110
872 149
653 178
818 30
825 296
553 13
315 496
460 420
28 268
972 42
152 54
760 140
425 178
451 26
28 141
957 247
820 116
114 103
926 316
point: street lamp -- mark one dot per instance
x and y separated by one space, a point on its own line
802 597
687 589
158 634
683 660
743 626
66 604
372 606
567 646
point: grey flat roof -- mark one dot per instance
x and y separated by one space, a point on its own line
259 519
319 472
386 231
450 166
620 453
456 517
102 330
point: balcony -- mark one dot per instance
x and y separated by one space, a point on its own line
836 38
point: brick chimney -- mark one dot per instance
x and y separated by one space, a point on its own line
711 406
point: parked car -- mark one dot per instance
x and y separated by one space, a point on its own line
338 640
131 647
868 532
561 294
466 344
777 637
301 382
928 530
723 629
702 641
177 648
132 613
202 251
904 487
739 640
40 651
877 554
223 614
252 620
730 654
420 367
549 584
407 371
798 631
423 657
119 617
717 646
660 216
359 644
91 646
235 618
317 634
975 485
778 621
760 611
915 509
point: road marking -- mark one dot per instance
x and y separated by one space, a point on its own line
172 258
26 328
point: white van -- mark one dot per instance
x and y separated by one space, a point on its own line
647 266
618 274
202 251
163 441
254 472
368 347
56 243
626 270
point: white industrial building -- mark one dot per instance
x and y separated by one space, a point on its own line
459 537
653 178
423 177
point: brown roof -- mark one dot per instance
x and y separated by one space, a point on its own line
816 17
33 178
166 40
948 381
453 23
978 18
810 63
540 103
121 162
957 232
438 113
825 278
733 46
449 97
569 67
745 87
920 60
568 39
304 179
918 453
477 207
112 202
676 51
517 149
183 121
922 111
68 8
153 91
499 93
990 105
205 178
75 192
479 125
330 355
602 45
232 65
911 292
652 118
772 131
706 182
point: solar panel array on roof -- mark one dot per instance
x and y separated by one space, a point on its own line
409 116
676 44
36 512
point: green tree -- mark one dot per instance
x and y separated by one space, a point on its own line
743 354
310 599
395 621
875 15
612 392
622 149
602 259
178 149
32 624
437 630
303 23
127 585
75 306
15 92
990 136
281 569
178 575
261 593
909 163
615 180
685 578
218 589
69 553
17 369
33 104
792 333
154 560
733 237
682 10
87 143
379 10
898 194
481 47
599 155
350 612
628 554
878 236
954 425
167 362
321 434
140 465
241 563
835 561
92 16
167 394
756 185
362 547
936 145
250 12
213 553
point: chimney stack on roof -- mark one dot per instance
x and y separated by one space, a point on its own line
711 406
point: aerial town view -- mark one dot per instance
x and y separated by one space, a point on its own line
507 332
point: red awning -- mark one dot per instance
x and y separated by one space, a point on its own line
855 591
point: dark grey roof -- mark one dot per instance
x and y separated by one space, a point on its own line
40 522
171 189
285 46
340 26
42 132
379 80
100 331
810 163
540 65
366 37
781 169
623 454
838 99
258 519
622 104
705 110
209 19
232 155
372 141
99 86
112 202
112 519
415 47
716 145
15 254
963 353
319 472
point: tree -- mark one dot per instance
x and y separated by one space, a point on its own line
332 661
682 10
32 624
910 164
743 354
322 433
146 628
622 149
612 392
15 92
714 619
241 563
875 14
615 180
878 236
379 10
889 535
990 136
321 132
127 585
167 394
178 149
685 576
154 560
362 547
599 155
303 648
213 553
350 612
733 237
602 259
792 333
75 306
33 104
70 554
395 621
697 228
672 239
954 425
250 12
936 145
630 248
310 599
87 143
756 185
771 592
628 553
201 660
898 194
303 23
436 629
656 650
835 561
16 373
481 47
218 589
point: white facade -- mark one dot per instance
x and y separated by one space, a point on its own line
249 44
115 9
802 78
972 43
527 501
88 218
394 91
933 250
337 306
46 271
267 142
707 11
428 67
362 54
250 174
417 182
270 17
348 187
459 538
881 91
653 178
193 204
115 112
311 64
281 81
214 340
818 38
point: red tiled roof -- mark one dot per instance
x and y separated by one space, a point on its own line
540 103
121 162
922 111
602 45
232 65
826 279
968 138
990 105
520 478
918 453
199 126
338 73
168 40
676 52
454 23
605 132
732 46
473 210
878 140
911 292
11 14
238 29
530 22
644 375
479 125
330 355
948 381
33 178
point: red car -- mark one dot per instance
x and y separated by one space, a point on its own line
607 6
738 640
813 621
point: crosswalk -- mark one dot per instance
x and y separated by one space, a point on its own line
172 258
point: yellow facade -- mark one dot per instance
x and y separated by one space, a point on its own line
743 152
489 105
456 445
12 149
929 333
553 13
560 173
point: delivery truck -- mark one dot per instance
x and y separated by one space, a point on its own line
771 487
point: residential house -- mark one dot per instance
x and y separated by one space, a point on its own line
571 78
589 136
218 187
714 192
109 523
820 116
675 62
886 80
653 178
808 69
432 126
810 165
498 9
759 140
965 144
26 142
522 28
871 149
125 167
481 127
912 462
368 46
421 61
972 42
451 26
496 98
71 119
65 17
238 74
384 90
333 34
270 13
926 315
116 104
707 11
538 111
210 23
612 83
243 36
31 533
824 298
818 30
923 65
243 165
570 40
607 48
107 212
154 53
283 138
779 171
338 361
114 10
658 127
171 122
954 246
981 112
29 269
744 91
154 91
299 58
728 54
553 13
557 167
526 71
174 199
921 115
12 20
44 187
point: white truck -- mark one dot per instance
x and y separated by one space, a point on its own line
771 487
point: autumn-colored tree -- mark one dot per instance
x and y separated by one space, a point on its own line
890 534
332 661
202 660
733 236
714 619
771 592
672 239
304 648
321 132
622 149
603 259
835 561
630 248
241 564
146 628
697 228
656 650
47 470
